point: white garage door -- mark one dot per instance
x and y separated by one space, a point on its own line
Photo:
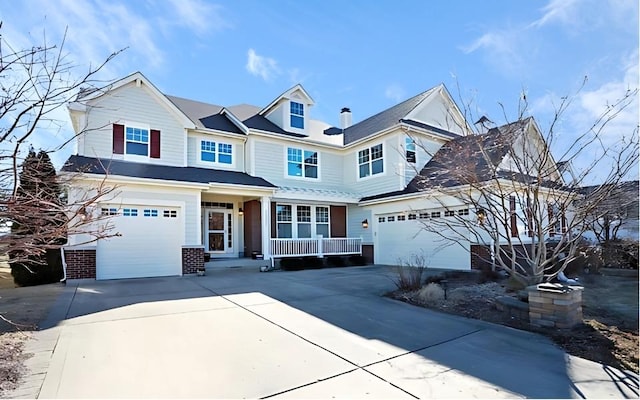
150 243
400 237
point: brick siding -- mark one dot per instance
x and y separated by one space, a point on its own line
81 263
192 259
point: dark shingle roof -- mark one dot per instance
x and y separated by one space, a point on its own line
384 119
261 123
463 160
220 122
102 166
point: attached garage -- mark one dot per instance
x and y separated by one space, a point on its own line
399 236
149 244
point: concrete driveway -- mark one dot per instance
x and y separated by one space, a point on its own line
238 333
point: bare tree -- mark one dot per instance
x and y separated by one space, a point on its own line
37 83
506 198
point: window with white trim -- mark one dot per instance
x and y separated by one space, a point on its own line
109 211
412 217
381 219
424 215
297 115
463 211
322 221
410 150
129 212
148 212
283 221
370 161
302 221
302 163
391 218
136 141
449 213
221 153
170 214
435 214
401 217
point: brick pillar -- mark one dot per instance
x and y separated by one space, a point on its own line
555 305
81 263
192 259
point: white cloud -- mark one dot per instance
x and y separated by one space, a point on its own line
264 67
502 50
199 16
561 11
395 93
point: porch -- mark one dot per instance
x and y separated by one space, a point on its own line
314 247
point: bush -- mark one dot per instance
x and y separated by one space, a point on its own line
312 263
49 272
431 294
336 261
487 275
357 260
291 264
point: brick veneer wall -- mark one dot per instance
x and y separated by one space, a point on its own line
81 263
192 259
555 305
480 257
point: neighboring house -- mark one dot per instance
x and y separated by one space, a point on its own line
616 217
242 180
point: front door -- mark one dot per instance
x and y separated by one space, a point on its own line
219 231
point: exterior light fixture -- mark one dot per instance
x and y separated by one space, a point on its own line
365 224
240 211
481 215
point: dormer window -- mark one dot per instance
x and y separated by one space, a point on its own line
297 115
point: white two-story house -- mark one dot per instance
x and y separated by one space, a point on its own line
233 181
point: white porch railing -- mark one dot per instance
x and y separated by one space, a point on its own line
318 247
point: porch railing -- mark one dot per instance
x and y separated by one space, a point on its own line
318 247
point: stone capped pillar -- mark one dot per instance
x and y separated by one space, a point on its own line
555 305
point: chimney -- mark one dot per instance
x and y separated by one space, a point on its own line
345 118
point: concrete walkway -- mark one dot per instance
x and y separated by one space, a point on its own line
238 333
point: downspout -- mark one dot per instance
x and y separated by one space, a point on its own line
64 265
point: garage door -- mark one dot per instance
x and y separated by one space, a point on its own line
400 236
150 243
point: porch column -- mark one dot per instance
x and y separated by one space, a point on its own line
265 214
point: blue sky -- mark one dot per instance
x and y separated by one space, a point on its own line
366 55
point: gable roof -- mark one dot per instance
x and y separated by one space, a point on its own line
384 119
90 94
286 93
205 115
103 166
466 159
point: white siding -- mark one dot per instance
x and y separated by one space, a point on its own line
270 160
132 104
392 177
355 216
425 149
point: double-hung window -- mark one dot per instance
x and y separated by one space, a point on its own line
137 141
221 153
302 163
283 218
370 161
410 150
322 221
297 115
304 221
